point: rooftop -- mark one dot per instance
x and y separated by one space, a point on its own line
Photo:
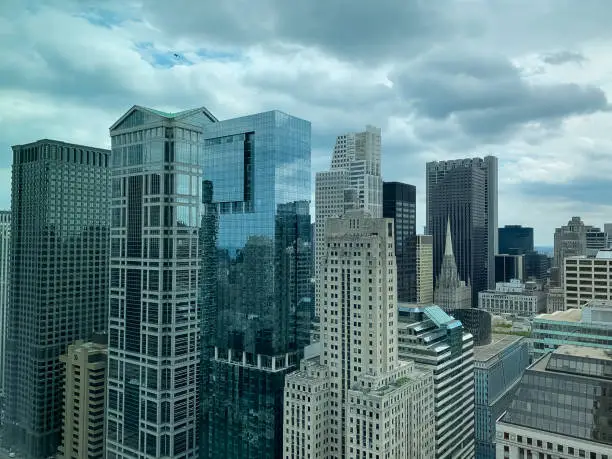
569 315
498 343
584 351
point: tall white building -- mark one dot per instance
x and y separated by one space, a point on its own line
5 263
587 278
357 399
424 269
354 180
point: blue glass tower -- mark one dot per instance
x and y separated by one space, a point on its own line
256 297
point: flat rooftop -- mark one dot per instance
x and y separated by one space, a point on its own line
584 351
498 343
569 315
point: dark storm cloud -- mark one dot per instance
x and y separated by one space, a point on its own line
563 57
486 94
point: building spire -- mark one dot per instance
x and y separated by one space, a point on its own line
448 246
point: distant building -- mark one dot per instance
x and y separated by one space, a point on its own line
513 297
588 278
5 265
450 291
84 401
589 326
508 267
477 322
596 240
399 203
438 342
536 266
355 167
608 231
59 286
464 191
424 269
515 239
561 408
358 387
555 300
498 368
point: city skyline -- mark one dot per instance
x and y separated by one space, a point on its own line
550 136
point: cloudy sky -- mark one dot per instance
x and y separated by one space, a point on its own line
526 80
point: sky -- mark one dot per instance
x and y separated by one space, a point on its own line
527 81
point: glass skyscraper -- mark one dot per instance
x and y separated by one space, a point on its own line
59 281
5 263
154 325
256 294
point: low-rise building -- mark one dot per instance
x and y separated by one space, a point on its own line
589 326
514 297
555 300
561 408
498 368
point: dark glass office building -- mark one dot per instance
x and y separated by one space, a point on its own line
257 174
465 191
399 203
515 240
508 267
154 321
59 281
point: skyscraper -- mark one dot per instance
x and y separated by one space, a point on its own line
451 292
256 214
357 399
5 263
424 269
355 167
399 203
515 240
59 280
154 326
465 191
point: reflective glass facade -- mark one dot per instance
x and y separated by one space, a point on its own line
154 322
257 298
59 281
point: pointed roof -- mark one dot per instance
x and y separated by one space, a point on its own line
448 246
177 115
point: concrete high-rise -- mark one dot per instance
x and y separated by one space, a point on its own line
587 278
154 325
5 264
354 180
256 284
424 269
84 401
437 342
464 191
515 240
357 399
451 292
59 280
399 203
571 241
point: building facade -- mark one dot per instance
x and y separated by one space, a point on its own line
154 328
589 326
84 401
508 267
536 266
515 239
451 292
5 273
561 407
555 300
588 278
399 203
464 191
59 283
477 322
437 342
498 368
357 386
424 269
256 280
514 298
354 180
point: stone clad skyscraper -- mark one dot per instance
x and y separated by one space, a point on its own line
59 281
465 191
354 180
257 291
357 399
154 325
